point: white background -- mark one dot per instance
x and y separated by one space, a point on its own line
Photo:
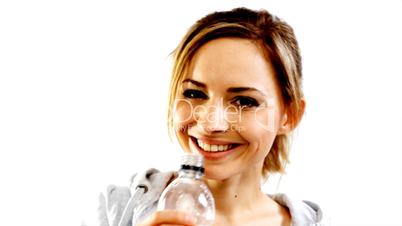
83 93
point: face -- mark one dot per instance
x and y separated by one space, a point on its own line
228 107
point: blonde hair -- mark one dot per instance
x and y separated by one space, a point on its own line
278 42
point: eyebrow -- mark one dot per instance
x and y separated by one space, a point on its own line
229 90
199 84
244 89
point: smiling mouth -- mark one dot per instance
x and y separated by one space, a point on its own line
213 147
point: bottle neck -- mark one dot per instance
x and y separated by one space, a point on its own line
192 174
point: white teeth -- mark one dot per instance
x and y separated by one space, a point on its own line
220 148
213 147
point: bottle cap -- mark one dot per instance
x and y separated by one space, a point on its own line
192 162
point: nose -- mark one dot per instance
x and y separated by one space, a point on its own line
212 118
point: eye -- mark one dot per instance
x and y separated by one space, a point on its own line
247 102
194 94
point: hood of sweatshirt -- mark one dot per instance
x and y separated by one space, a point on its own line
302 212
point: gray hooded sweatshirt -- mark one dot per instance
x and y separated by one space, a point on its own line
127 206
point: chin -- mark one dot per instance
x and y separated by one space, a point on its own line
217 173
214 176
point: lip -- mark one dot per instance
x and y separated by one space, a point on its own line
213 155
212 141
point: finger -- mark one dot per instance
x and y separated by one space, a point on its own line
170 225
170 217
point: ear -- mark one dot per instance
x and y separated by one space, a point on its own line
290 119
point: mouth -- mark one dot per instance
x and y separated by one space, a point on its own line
212 151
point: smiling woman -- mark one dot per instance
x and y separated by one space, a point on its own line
236 97
233 79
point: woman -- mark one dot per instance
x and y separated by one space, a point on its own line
236 97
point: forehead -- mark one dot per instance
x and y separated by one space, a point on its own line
231 62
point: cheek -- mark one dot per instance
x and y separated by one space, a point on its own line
268 119
260 127
182 114
182 117
261 120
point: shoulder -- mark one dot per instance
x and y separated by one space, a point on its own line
150 182
302 212
123 204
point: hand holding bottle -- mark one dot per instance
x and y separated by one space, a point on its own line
189 193
169 217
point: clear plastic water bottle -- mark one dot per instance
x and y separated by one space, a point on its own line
189 193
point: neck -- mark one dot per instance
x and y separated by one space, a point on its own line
240 201
239 193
